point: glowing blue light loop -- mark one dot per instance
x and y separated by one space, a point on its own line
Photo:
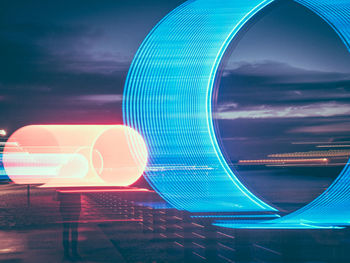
167 98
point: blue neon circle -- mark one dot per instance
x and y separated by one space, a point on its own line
168 94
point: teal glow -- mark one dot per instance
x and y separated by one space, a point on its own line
238 216
262 225
167 99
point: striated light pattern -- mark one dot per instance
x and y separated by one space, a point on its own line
167 98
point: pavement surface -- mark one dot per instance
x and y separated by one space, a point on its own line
34 233
139 228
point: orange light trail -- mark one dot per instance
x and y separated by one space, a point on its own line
330 153
115 155
105 190
100 221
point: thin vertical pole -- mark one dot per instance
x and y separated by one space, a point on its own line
28 195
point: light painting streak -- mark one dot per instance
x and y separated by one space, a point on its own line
75 155
238 216
38 168
124 190
167 98
241 224
329 153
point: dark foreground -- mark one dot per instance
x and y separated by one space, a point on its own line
138 227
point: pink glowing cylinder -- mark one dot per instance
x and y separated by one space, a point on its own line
76 155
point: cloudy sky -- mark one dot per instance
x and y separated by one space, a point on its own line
66 61
286 79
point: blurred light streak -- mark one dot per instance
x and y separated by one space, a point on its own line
334 146
238 216
75 155
341 142
305 165
82 221
177 168
167 98
13 144
156 205
36 168
262 225
85 190
329 153
283 161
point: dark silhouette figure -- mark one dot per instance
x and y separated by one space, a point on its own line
70 206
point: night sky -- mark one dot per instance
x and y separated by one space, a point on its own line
284 88
66 61
286 81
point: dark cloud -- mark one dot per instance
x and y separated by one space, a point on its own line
66 61
230 111
46 52
277 72
51 71
272 83
270 89
334 128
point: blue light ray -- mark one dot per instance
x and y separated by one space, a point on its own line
238 216
264 225
167 98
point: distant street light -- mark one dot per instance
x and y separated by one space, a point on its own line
3 133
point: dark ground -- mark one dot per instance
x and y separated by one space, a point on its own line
116 227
